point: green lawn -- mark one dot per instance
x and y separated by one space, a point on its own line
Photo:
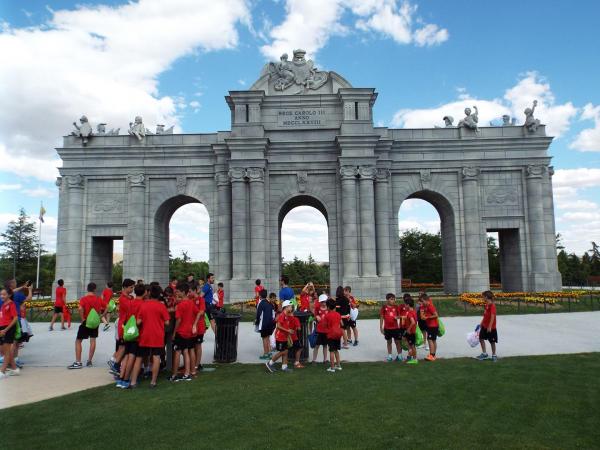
527 402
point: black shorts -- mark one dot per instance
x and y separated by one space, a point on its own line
491 336
131 347
321 339
392 334
266 332
58 310
84 332
297 345
411 338
181 343
422 325
281 346
352 323
209 312
199 339
432 333
119 343
334 345
345 324
9 337
143 352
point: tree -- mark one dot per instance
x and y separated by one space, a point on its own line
301 272
21 243
421 255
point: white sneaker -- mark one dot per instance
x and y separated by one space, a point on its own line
338 367
13 372
331 370
5 375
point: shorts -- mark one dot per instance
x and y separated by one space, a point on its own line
199 339
266 332
143 352
411 338
84 332
119 343
9 337
432 333
321 339
297 345
281 346
422 325
181 343
352 323
58 309
392 334
209 312
491 336
334 345
345 324
131 347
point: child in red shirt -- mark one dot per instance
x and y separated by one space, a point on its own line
86 304
257 288
184 335
429 313
126 291
8 327
283 337
488 329
296 344
59 305
352 323
305 297
411 329
107 294
388 325
133 308
152 317
320 312
220 295
333 325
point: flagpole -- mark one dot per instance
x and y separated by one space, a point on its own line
37 278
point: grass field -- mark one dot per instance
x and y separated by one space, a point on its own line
526 402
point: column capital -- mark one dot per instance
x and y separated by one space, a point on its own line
74 181
237 174
136 179
255 174
367 172
222 179
59 182
382 175
551 170
470 173
534 171
348 172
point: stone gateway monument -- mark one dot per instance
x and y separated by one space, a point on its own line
300 136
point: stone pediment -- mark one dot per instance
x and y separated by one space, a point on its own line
297 77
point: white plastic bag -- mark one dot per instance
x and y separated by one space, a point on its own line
272 341
473 338
353 313
25 327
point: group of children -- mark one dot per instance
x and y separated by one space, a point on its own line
13 333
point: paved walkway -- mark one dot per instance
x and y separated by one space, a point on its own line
47 355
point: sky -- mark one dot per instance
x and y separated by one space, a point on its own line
173 62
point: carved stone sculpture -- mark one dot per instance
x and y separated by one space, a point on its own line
448 121
137 129
531 123
101 129
470 120
113 132
302 180
506 120
83 131
298 72
160 129
181 182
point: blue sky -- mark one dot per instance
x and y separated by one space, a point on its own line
174 61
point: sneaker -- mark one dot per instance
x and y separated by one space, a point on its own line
349 341
494 358
265 356
75 365
298 366
13 372
3 375
172 378
270 368
355 344
19 363
119 383
331 370
412 361
125 384
338 367
482 357
88 364
389 359
430 357
106 327
186 378
152 385
287 370
132 386
50 329
398 358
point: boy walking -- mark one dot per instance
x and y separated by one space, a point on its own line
429 313
488 331
60 302
388 324
86 304
333 324
283 337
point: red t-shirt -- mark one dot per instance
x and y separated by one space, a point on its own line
61 297
8 311
490 309
429 310
124 315
153 315
295 326
106 296
286 322
186 311
333 325
221 302
89 301
257 290
304 302
390 316
321 325
200 307
402 311
133 309
411 329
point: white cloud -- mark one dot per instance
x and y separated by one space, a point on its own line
531 86
576 178
304 232
40 192
10 187
103 61
189 232
588 140
309 24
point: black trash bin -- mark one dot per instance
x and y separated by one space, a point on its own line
226 337
302 336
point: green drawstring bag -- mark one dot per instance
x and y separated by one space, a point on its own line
18 330
418 337
111 305
206 321
441 328
93 320
404 344
131 331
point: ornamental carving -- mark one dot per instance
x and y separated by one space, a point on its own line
470 173
534 171
255 173
551 170
302 180
222 179
425 176
59 181
237 174
382 175
181 182
367 171
136 180
348 172
502 196
75 181
111 205
298 75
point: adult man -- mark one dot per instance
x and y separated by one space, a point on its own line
207 292
286 292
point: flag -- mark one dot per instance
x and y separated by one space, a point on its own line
42 212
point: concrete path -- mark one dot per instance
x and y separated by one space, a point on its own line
48 354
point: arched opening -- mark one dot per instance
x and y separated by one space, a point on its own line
182 243
304 242
426 225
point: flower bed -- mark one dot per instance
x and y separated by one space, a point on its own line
550 298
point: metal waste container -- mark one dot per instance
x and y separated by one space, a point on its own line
303 317
226 337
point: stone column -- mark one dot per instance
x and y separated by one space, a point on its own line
350 229
382 222
256 176
71 267
239 217
551 232
134 242
367 222
535 218
475 276
224 225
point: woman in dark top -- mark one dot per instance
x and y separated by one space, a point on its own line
342 305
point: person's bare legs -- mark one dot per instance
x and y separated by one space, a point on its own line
198 355
155 368
92 349
54 316
175 366
389 346
186 363
482 343
78 346
136 370
266 345
493 345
